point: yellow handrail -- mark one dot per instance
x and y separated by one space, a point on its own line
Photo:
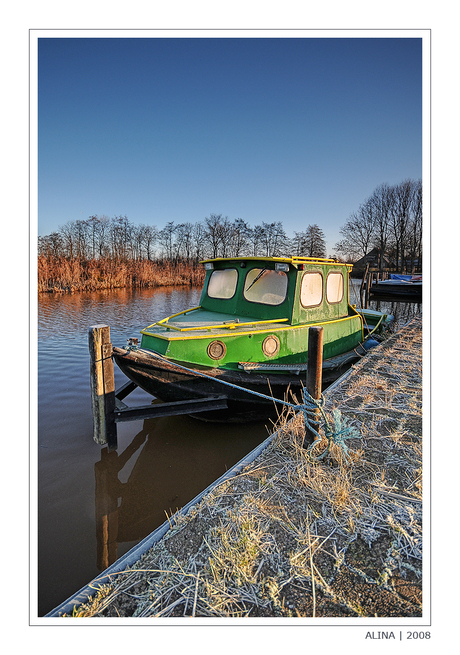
184 311
229 325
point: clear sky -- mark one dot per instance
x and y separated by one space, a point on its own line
298 130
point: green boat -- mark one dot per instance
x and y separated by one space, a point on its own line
250 334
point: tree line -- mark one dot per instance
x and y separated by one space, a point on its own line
117 238
389 220
104 252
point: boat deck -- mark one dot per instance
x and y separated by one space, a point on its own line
201 322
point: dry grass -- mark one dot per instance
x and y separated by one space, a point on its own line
294 536
61 274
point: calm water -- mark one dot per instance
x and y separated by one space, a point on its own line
160 464
403 312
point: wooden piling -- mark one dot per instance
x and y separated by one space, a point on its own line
370 278
363 285
314 375
102 385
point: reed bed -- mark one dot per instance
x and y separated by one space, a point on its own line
297 536
63 274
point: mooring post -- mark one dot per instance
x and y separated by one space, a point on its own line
370 279
314 375
363 285
102 386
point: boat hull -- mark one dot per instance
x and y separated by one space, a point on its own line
170 382
400 291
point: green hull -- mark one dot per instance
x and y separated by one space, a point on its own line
189 338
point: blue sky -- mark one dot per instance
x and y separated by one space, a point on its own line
298 130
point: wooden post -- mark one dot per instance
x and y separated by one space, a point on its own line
102 385
314 374
363 284
370 278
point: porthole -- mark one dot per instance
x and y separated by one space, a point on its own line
271 346
216 350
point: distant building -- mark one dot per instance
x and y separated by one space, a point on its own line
373 259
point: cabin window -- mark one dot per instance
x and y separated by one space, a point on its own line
334 287
222 283
311 290
265 286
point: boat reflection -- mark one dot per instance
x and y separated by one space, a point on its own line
165 465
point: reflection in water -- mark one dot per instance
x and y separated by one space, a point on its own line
401 310
157 473
109 490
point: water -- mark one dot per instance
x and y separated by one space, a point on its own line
160 464
403 312
93 506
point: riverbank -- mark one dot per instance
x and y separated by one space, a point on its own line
297 536
68 275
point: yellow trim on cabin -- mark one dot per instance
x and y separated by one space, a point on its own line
295 261
243 334
227 325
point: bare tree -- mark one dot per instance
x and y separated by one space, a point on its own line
166 238
137 242
415 230
311 242
390 220
184 241
357 233
381 202
149 238
399 220
198 241
240 238
217 233
273 239
51 245
257 234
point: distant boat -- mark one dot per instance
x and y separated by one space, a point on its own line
399 286
250 331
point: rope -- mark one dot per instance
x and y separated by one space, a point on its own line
337 434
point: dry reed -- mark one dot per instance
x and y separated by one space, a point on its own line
62 274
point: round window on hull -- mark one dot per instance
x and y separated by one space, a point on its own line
271 346
216 350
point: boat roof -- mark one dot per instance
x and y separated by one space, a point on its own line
295 261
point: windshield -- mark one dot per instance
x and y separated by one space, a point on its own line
265 286
222 283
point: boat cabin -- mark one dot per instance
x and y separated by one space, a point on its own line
256 309
296 289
